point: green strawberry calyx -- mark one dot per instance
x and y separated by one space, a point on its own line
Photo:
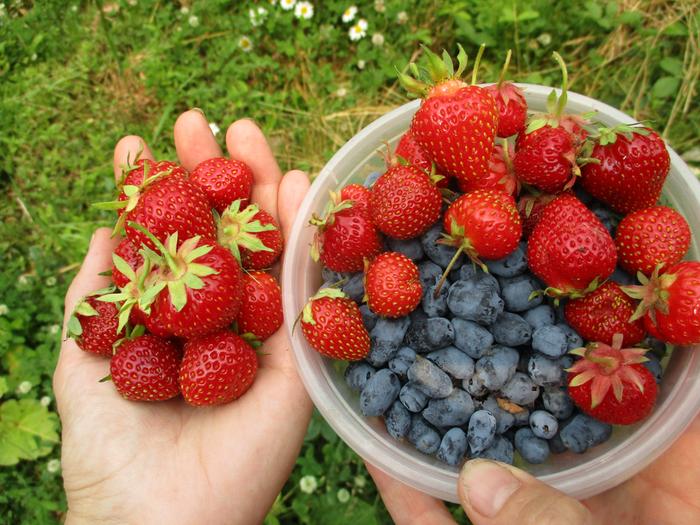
334 205
85 309
606 135
458 238
440 76
307 315
237 229
652 293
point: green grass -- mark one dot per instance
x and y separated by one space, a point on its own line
73 81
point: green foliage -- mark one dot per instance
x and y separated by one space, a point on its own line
27 431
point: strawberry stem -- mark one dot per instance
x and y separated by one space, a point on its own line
502 76
477 62
561 103
459 251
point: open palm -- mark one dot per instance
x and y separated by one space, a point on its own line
126 462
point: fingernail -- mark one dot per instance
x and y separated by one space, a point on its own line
200 111
487 486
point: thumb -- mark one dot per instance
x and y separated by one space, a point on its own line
494 493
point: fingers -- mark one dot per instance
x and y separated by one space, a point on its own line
126 151
246 142
407 505
194 140
494 493
292 190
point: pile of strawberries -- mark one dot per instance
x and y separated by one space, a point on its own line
190 299
495 175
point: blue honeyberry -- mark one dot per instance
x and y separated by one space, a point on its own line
402 361
583 195
504 419
424 437
521 417
622 278
357 374
556 446
371 179
435 306
453 361
532 449
453 447
538 316
481 430
429 378
397 419
475 386
558 402
440 254
379 392
543 370
500 450
369 318
471 338
516 292
385 339
326 284
512 265
654 366
467 300
411 248
429 273
607 217
430 334
417 315
497 367
354 287
520 390
413 398
573 340
485 281
550 340
583 432
332 277
467 271
543 424
452 411
657 347
511 330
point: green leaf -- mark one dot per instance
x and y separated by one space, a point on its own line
27 431
631 18
3 386
672 66
665 87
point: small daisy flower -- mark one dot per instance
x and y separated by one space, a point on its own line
402 17
360 481
308 484
378 39
24 387
245 43
132 3
54 328
356 32
4 310
545 39
193 20
342 92
51 281
361 64
363 24
379 6
22 280
287 4
214 128
257 16
343 495
184 10
45 401
304 10
349 14
53 466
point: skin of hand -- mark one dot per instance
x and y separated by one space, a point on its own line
167 462
667 492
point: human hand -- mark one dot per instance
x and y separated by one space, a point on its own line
167 462
665 492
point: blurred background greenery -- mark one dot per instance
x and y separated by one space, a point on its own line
76 76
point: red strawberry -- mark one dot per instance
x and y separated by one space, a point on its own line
143 170
603 313
359 195
634 163
146 369
570 249
332 324
546 159
392 285
531 207
94 326
609 383
648 237
252 235
456 122
412 152
500 175
224 181
345 237
196 290
671 302
404 202
511 103
217 368
130 253
261 307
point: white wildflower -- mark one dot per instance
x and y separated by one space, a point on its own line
132 3
214 128
184 10
402 17
363 24
545 39
379 6
308 484
356 32
257 16
343 495
24 387
4 310
360 481
54 328
193 20
45 401
349 14
51 281
287 4
304 10
361 64
23 280
53 465
342 92
378 39
245 43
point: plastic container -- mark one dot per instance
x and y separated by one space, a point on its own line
629 449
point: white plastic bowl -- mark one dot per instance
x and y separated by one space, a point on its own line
629 449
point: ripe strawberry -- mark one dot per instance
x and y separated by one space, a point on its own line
413 153
609 383
135 175
546 159
648 237
146 369
456 122
332 324
531 207
511 104
570 249
404 202
500 175
261 307
345 236
392 285
217 368
251 234
603 313
634 163
359 195
224 181
94 326
671 302
130 253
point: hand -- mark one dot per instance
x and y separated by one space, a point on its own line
167 462
666 492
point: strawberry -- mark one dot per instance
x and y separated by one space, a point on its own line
633 165
392 285
413 153
456 122
332 324
261 306
217 368
531 207
511 104
94 326
223 181
570 249
146 368
546 159
345 236
500 175
603 313
651 236
130 254
251 234
404 202
358 195
609 383
670 302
